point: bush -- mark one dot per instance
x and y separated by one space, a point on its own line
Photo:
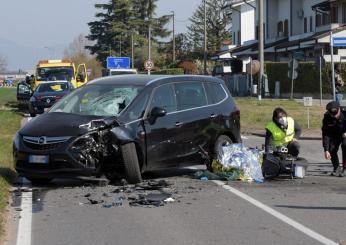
307 82
172 71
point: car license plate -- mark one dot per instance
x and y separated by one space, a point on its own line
39 159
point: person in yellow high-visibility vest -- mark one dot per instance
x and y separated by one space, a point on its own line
282 130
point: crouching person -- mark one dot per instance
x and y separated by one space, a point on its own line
282 130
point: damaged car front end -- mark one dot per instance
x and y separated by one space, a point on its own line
62 144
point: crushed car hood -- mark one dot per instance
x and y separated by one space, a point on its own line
56 124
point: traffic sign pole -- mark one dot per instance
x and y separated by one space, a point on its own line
332 60
320 59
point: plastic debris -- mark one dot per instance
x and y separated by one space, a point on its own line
204 179
168 200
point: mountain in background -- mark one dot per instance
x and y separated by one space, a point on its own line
26 57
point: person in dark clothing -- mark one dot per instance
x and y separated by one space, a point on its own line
334 135
283 130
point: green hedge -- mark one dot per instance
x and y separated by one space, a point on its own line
171 71
308 80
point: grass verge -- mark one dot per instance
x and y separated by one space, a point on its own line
9 123
256 114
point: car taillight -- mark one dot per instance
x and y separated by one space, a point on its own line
236 112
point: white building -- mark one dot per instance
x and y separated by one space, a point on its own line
292 28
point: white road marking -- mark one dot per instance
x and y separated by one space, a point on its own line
24 226
276 214
244 137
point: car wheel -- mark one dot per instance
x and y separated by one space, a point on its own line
132 170
39 181
221 141
32 114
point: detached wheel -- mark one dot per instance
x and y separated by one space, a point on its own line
221 141
132 170
39 181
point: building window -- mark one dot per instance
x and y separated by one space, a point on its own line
310 23
286 28
239 38
305 25
318 20
334 14
280 29
344 13
325 19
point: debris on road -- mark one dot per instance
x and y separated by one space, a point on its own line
149 193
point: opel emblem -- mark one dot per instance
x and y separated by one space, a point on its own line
42 140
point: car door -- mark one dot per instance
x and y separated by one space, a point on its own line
193 117
161 132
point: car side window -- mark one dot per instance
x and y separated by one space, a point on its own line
190 95
215 92
136 111
164 97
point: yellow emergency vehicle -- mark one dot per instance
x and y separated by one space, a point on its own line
60 70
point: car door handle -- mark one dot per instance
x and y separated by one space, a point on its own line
213 115
178 124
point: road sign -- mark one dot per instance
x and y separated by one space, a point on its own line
307 101
118 62
339 41
292 69
148 64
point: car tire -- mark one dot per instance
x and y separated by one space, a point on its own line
132 170
39 181
32 114
222 140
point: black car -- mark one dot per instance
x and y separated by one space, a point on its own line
47 94
128 124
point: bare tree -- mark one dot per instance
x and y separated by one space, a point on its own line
77 52
3 63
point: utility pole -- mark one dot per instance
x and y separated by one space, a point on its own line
173 36
149 43
260 48
132 56
205 38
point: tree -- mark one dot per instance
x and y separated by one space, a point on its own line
118 20
78 53
218 26
3 63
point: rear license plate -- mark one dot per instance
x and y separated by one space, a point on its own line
39 159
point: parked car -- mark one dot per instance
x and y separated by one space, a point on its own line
47 94
128 124
24 92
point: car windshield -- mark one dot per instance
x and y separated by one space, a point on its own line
55 73
98 100
52 87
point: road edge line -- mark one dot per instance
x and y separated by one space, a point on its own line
25 222
278 215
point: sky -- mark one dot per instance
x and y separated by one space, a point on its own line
35 29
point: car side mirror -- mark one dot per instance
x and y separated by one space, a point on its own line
155 113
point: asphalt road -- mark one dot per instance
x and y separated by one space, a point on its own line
203 212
